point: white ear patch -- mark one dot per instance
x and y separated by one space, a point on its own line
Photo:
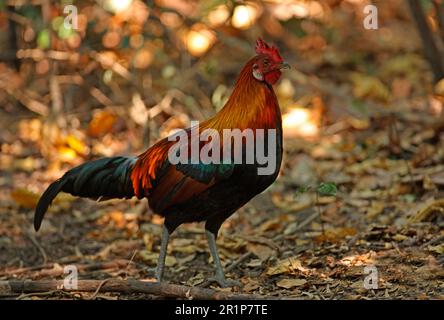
257 75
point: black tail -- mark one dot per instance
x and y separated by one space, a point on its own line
105 178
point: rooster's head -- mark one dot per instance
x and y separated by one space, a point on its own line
268 63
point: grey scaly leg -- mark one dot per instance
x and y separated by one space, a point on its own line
162 254
219 276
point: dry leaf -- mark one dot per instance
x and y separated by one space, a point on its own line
186 259
28 164
151 258
103 122
251 286
424 210
77 145
272 224
66 154
197 279
118 218
365 86
291 283
439 249
25 198
376 208
286 266
336 234
254 263
261 251
182 245
399 237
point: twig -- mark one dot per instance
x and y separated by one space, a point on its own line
395 146
13 287
30 103
320 213
307 221
101 284
300 226
40 294
241 259
37 244
258 239
433 241
100 96
115 66
130 262
39 54
56 98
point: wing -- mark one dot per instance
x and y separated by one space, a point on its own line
166 184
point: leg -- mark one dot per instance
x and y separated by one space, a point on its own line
219 277
162 254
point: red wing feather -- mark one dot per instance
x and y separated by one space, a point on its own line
155 178
173 188
148 167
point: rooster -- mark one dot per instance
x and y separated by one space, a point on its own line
183 193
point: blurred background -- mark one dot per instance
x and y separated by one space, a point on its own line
362 109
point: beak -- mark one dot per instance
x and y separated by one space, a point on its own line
284 65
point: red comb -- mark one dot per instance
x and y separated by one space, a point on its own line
263 48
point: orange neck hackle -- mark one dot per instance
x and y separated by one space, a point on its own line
252 104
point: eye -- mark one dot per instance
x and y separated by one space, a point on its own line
266 63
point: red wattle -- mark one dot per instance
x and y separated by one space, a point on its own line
273 76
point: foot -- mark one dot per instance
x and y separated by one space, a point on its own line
223 282
154 271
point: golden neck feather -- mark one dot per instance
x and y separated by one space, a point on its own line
252 104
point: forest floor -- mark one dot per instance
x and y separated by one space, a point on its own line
386 220
374 127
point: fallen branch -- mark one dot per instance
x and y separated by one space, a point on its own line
15 287
56 270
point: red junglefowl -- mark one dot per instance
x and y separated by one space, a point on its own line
193 192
